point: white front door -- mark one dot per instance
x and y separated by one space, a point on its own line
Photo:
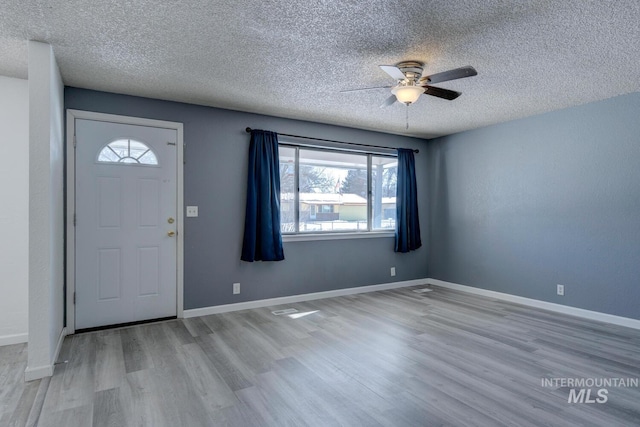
126 198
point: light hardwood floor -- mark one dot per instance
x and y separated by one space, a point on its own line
392 358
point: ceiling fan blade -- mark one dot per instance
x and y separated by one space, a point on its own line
441 93
457 73
366 88
393 71
389 101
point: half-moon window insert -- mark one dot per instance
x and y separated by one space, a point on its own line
127 151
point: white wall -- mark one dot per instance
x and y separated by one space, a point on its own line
46 211
14 215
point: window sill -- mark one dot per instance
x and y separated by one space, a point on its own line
304 237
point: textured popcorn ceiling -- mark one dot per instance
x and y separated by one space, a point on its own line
292 58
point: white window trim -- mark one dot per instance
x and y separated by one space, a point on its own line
336 235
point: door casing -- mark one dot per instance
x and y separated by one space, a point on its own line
72 115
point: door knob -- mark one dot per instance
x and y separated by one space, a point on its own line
171 233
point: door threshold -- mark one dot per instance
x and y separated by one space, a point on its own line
124 325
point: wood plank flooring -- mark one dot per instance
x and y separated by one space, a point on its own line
392 358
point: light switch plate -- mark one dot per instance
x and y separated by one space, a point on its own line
192 211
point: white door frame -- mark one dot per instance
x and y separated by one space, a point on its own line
72 115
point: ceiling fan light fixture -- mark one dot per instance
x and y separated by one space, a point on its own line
407 94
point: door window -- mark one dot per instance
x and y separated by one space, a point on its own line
128 151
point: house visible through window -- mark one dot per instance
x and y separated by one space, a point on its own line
127 151
327 190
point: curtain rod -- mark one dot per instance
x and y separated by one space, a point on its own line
248 130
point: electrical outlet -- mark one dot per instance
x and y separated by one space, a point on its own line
236 288
393 271
192 211
560 290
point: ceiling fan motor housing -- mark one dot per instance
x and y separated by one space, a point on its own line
411 69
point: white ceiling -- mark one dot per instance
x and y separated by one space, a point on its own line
292 58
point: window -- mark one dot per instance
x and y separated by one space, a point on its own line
127 151
327 190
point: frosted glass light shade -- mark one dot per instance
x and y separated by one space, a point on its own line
407 94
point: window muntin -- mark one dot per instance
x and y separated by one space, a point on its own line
338 191
127 151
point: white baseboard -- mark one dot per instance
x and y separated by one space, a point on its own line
216 309
43 371
63 334
31 374
558 308
530 302
13 339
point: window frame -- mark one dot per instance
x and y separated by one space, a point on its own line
370 232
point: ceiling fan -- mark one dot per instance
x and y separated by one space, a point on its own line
410 83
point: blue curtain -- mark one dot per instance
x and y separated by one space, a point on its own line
262 236
407 222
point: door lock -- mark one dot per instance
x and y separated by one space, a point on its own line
171 220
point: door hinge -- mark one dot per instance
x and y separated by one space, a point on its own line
75 219
74 297
75 141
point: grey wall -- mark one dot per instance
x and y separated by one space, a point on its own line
215 180
552 199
